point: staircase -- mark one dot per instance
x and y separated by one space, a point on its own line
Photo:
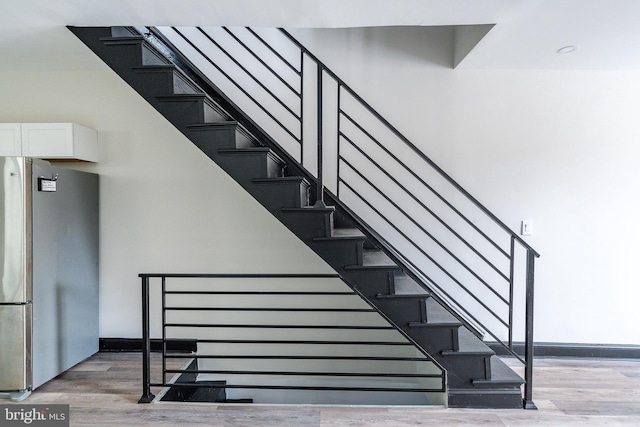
476 376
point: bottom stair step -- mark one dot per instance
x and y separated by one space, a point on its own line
203 391
507 398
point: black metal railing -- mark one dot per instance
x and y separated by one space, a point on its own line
213 309
441 235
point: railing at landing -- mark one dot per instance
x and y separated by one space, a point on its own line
442 236
266 319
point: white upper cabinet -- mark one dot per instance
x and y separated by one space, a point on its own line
10 139
53 141
59 141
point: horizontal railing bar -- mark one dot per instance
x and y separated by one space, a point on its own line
275 309
242 275
420 226
292 357
447 251
243 90
497 317
251 76
404 139
251 326
310 388
424 183
444 270
425 207
309 373
275 52
304 342
279 293
267 66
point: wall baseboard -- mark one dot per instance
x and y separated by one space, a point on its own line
135 344
602 351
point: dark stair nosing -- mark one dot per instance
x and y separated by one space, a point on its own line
403 296
155 68
248 150
309 209
178 97
122 40
281 180
209 125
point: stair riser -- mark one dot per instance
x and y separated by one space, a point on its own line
505 400
307 225
281 195
338 254
466 367
370 282
243 168
436 338
401 311
150 83
220 137
185 112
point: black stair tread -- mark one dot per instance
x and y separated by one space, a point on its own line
122 39
280 179
204 126
501 374
310 209
246 150
182 96
403 296
469 344
154 68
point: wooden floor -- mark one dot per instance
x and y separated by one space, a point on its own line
104 390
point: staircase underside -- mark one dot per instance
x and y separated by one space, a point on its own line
476 376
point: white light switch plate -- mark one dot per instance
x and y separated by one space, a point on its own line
526 227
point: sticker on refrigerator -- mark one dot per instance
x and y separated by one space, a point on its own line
49 185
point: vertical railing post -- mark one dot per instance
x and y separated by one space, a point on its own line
528 345
147 396
319 184
512 260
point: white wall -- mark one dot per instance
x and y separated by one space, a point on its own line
556 147
165 207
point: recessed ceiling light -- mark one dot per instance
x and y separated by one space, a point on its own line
568 49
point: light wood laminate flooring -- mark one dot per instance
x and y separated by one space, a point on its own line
104 390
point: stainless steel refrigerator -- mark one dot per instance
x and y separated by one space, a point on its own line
48 271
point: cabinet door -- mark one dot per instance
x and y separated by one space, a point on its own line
47 140
10 139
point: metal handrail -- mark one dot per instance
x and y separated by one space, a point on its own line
320 72
166 306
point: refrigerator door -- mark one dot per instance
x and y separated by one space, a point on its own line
15 220
15 347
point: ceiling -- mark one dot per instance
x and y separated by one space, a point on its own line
526 34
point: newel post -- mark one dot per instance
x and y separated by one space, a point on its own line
147 396
528 345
